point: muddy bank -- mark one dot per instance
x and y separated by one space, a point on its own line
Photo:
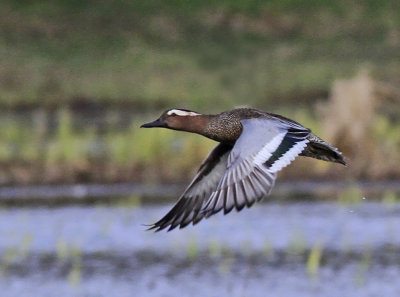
58 195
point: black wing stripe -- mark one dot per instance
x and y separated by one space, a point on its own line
292 137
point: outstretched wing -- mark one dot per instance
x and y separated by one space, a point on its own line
187 208
265 146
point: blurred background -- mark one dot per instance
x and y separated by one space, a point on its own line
78 178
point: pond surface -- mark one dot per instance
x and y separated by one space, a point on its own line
297 249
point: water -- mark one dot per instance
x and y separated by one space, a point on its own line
263 251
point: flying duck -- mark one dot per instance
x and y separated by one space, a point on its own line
241 169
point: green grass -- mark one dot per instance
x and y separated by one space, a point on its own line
314 260
190 53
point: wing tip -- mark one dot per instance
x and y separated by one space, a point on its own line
155 228
151 227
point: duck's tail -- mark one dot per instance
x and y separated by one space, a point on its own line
319 149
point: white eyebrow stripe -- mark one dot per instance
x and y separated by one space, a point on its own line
180 112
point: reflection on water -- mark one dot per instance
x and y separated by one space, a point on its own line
270 250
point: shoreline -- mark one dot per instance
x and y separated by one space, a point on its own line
138 193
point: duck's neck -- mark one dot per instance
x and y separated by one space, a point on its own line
206 125
195 124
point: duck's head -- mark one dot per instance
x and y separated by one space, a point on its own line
176 119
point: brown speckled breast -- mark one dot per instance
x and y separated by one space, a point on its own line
226 126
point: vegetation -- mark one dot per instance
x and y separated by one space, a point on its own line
62 58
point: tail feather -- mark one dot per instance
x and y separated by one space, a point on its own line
321 150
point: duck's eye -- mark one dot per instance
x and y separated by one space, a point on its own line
173 114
